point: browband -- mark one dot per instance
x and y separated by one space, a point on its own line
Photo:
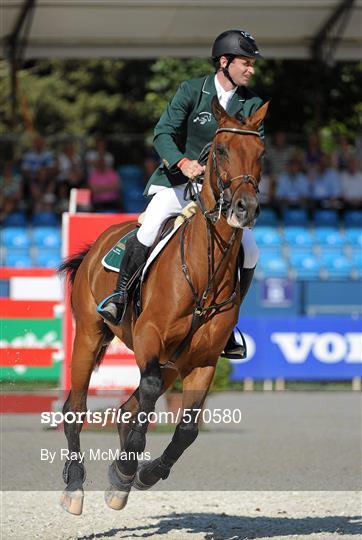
240 131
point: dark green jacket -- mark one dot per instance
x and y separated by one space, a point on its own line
188 124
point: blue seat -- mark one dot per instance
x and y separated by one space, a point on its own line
18 258
353 218
328 237
337 266
295 216
354 237
45 219
267 217
356 258
47 237
267 237
131 175
48 258
298 236
15 219
305 266
300 250
15 237
134 202
272 265
326 218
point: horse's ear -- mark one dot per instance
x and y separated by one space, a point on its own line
217 110
257 118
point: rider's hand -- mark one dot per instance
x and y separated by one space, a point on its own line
192 168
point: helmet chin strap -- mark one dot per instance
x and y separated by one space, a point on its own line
225 71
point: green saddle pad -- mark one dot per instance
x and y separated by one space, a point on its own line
114 257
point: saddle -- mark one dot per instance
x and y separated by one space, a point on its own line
113 259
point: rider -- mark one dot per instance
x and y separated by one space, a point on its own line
183 130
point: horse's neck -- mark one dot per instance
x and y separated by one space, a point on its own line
214 237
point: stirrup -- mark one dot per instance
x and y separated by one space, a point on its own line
102 304
106 315
237 351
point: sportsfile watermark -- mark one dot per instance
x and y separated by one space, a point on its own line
114 415
279 441
93 454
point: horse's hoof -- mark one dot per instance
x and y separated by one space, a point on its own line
72 501
116 499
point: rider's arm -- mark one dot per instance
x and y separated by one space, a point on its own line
167 130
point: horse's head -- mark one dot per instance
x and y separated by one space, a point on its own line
235 166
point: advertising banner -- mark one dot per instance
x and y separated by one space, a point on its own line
31 345
300 348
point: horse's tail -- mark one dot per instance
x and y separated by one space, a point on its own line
70 265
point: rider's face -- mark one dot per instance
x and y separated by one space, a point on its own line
241 69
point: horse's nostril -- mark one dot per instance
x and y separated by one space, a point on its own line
241 206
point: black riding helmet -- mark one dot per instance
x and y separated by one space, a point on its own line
232 43
236 43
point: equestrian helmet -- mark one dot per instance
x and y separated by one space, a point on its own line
235 43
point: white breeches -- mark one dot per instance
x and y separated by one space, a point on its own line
169 201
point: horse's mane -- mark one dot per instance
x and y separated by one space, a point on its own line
70 265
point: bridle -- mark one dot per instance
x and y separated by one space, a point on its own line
222 205
211 217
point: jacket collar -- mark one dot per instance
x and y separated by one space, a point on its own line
208 86
236 102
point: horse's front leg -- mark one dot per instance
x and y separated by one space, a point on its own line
195 388
132 432
116 495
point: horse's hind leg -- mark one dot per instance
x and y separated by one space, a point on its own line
89 344
195 388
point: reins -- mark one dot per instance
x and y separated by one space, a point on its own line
211 217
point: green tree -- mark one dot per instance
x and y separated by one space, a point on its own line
78 96
117 97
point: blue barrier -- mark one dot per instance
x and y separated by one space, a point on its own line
320 348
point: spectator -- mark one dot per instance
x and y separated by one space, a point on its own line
99 153
39 172
104 183
11 190
292 187
266 190
70 174
325 184
343 153
278 155
150 164
351 181
312 153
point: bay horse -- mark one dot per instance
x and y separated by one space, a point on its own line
190 304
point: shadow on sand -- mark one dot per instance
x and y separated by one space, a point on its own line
221 526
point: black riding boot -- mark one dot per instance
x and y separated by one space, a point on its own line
135 256
233 349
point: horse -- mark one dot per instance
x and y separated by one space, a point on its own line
190 304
